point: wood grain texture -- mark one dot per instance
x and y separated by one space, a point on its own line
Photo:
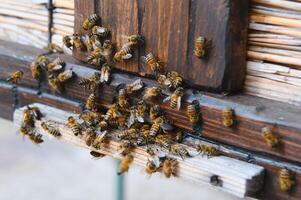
252 114
121 17
170 28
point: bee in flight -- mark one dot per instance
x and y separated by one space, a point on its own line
125 163
170 167
15 77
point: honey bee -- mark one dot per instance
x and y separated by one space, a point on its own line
56 65
151 93
90 21
176 98
141 111
134 86
127 147
200 47
105 73
36 113
35 138
112 112
155 111
128 134
100 31
93 42
179 136
268 136
125 52
88 118
208 150
164 140
107 51
95 57
54 83
193 113
285 180
36 70
227 116
67 41
78 43
155 65
152 165
74 125
66 75
54 48
122 100
97 154
91 102
89 136
164 81
91 82
100 140
125 163
27 118
103 125
135 39
50 129
169 168
42 61
180 150
175 78
15 77
24 130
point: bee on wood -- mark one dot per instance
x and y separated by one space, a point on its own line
74 126
112 112
208 150
134 86
78 43
93 42
160 123
35 138
152 165
154 112
125 163
128 134
285 180
89 136
90 21
68 41
135 39
152 93
54 83
176 98
100 31
27 118
42 61
180 150
36 70
95 57
154 64
194 115
141 111
97 154
100 140
56 65
228 117
200 47
88 118
164 140
164 81
50 129
107 51
15 77
125 52
91 102
175 78
105 73
36 113
65 76
54 48
170 166
127 147
122 101
91 82
270 139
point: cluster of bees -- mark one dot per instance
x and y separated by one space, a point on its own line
138 124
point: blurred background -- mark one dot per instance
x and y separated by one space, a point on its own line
60 171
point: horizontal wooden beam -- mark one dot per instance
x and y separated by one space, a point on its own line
251 113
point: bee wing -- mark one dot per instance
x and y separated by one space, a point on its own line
138 84
140 119
167 99
166 126
127 56
179 103
104 77
131 119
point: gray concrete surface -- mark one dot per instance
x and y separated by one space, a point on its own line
58 171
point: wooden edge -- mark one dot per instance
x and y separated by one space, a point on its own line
237 176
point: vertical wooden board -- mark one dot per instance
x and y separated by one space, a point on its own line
121 17
224 24
82 9
164 24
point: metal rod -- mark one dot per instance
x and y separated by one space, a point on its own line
50 8
119 184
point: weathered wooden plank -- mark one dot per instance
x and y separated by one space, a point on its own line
239 178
